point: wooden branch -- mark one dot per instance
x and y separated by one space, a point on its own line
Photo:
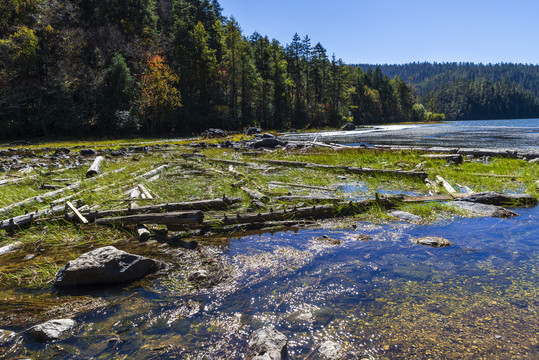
174 218
95 168
81 218
302 186
450 189
145 191
307 198
22 220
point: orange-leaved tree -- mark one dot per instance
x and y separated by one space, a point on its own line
159 94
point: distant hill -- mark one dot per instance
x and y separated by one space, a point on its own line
472 91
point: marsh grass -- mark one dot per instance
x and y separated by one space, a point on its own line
196 179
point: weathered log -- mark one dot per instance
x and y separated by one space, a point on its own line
501 199
50 187
235 173
153 172
53 194
454 158
173 218
255 194
349 169
307 198
302 186
143 234
22 220
145 192
450 189
95 168
81 218
307 213
10 248
428 198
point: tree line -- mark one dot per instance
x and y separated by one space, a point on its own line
468 91
110 67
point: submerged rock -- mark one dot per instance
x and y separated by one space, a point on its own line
501 199
433 241
405 216
329 240
330 350
267 344
483 209
106 265
6 337
348 127
51 330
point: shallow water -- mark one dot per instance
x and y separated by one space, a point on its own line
382 299
521 134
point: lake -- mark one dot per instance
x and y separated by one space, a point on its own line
516 134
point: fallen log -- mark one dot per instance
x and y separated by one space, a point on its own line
153 172
450 189
428 198
256 195
350 169
95 168
173 218
22 220
305 213
10 248
278 183
501 199
215 204
311 199
52 194
143 234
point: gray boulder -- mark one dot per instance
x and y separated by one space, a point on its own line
51 330
267 344
269 143
501 199
483 209
106 265
433 241
331 350
6 337
349 127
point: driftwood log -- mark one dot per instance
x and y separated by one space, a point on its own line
95 168
350 169
305 213
143 234
215 204
172 219
23 220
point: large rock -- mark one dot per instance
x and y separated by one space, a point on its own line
349 127
267 344
106 265
433 241
501 199
269 143
6 337
51 330
483 209
330 350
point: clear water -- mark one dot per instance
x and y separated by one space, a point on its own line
382 299
519 134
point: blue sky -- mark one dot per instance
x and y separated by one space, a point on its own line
401 31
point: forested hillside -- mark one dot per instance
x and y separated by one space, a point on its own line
107 67
473 91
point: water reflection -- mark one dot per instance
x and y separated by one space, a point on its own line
384 298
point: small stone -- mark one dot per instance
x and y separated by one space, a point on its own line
6 337
329 240
331 350
433 241
28 257
51 330
268 344
198 276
